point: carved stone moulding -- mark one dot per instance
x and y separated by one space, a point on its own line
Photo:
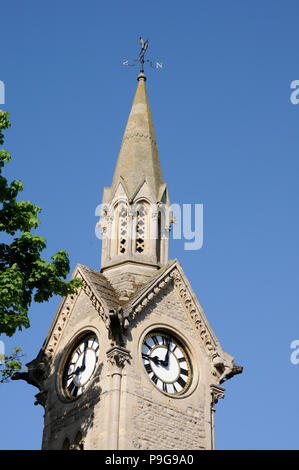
217 392
183 291
118 356
192 309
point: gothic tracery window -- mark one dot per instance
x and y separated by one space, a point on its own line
141 228
122 228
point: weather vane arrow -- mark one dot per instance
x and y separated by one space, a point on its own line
141 60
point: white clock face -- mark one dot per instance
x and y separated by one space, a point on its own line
80 366
166 362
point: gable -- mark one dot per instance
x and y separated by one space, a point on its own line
167 307
186 307
96 298
120 192
144 192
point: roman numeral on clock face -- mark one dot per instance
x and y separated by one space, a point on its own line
155 340
181 382
71 387
154 379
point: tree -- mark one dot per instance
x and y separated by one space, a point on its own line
24 275
9 364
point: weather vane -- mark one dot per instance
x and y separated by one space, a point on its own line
141 60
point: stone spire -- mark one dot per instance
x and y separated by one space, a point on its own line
138 157
135 220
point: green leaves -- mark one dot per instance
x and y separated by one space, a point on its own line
15 215
9 364
4 124
24 275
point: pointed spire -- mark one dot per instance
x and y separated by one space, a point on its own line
138 157
134 220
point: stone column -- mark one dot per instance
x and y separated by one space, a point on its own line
153 235
216 393
117 357
131 230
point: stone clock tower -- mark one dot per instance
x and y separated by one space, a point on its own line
131 361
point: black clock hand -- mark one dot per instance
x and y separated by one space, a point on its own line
84 358
166 359
155 359
76 372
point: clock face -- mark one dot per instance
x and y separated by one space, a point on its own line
80 365
166 362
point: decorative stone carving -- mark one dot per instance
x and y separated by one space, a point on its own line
58 329
191 308
95 301
41 398
217 392
143 302
118 356
140 135
230 372
116 327
37 374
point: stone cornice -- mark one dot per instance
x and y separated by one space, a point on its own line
196 315
96 302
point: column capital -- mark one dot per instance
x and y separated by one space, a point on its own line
118 356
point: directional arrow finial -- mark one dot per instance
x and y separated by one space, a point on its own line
141 60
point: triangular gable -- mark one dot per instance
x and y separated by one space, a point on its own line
163 194
121 191
143 190
173 273
102 296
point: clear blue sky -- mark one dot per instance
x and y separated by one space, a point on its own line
228 138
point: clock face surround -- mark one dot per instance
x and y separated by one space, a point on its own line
80 365
166 362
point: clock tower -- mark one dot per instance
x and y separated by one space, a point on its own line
131 361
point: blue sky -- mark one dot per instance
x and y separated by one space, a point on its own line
228 138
